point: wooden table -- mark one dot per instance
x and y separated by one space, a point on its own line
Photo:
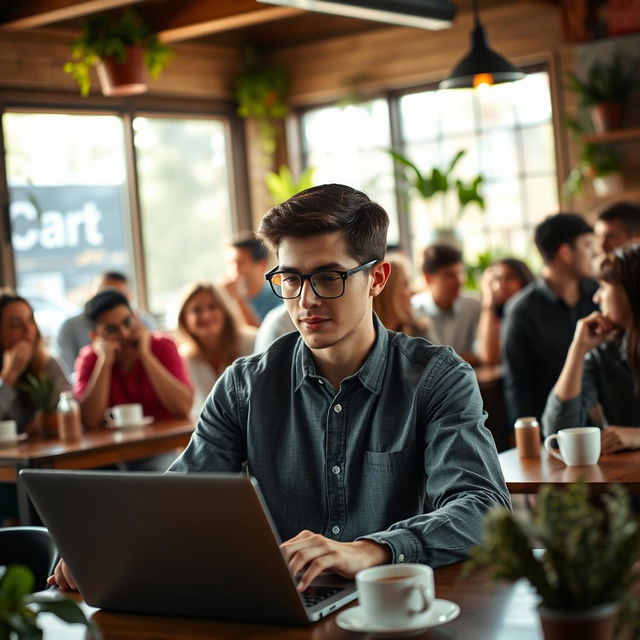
526 475
94 449
489 611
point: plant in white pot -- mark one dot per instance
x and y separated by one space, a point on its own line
600 163
450 195
587 568
123 52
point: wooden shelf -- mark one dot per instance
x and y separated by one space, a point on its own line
617 135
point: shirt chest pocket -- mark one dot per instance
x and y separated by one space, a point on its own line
391 459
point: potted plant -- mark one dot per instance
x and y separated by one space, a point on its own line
599 163
19 607
122 52
283 185
439 183
606 90
585 573
43 392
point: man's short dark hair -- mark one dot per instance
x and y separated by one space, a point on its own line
326 209
118 276
249 241
626 213
437 256
102 302
559 229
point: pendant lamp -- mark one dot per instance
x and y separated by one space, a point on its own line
482 65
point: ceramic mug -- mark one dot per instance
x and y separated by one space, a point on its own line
8 430
122 415
396 595
578 446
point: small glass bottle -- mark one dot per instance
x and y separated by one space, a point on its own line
527 431
69 423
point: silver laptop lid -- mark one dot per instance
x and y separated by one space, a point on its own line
193 545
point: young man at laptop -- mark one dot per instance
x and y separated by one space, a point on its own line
369 446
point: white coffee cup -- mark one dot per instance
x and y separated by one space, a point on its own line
122 415
394 596
8 430
578 446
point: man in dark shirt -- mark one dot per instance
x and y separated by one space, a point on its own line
350 429
618 225
540 320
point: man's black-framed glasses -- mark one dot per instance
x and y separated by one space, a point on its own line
326 283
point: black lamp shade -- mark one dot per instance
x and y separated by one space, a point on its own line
481 66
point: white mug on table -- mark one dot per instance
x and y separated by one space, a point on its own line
578 445
125 414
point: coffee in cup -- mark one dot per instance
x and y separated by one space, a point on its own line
578 445
122 415
396 595
8 430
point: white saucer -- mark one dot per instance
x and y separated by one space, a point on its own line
9 441
133 425
441 612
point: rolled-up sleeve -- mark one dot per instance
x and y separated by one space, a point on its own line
464 479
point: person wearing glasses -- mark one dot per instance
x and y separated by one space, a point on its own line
369 446
127 363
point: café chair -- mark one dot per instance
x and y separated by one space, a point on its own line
32 547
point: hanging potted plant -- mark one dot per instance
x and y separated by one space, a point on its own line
586 572
599 163
606 90
283 185
124 53
452 195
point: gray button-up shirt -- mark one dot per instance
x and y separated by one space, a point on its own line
405 431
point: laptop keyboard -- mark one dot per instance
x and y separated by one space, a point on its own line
313 595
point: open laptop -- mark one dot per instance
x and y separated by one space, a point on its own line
191 545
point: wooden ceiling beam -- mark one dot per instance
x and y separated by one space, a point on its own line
29 14
184 20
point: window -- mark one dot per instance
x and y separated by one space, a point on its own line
185 204
68 207
507 133
346 145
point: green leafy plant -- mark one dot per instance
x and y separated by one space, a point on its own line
589 553
606 81
19 607
440 182
101 39
283 185
596 161
42 391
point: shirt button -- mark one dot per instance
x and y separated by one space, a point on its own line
337 408
335 529
320 381
401 557
335 470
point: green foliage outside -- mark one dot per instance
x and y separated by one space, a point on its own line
283 185
102 38
19 607
439 182
590 552
42 391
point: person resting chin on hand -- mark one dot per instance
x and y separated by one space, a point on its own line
603 362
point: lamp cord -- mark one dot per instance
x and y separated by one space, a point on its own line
476 13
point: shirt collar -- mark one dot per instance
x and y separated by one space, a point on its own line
542 285
434 310
370 374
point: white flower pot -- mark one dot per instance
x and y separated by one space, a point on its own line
607 185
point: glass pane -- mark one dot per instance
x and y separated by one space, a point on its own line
504 203
457 111
542 197
539 148
185 205
68 206
533 103
347 145
419 113
496 105
499 155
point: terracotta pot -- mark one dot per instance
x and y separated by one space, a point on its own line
126 78
46 424
596 623
608 115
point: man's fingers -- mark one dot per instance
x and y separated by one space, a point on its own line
304 557
318 566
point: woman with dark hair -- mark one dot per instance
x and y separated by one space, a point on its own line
210 338
500 281
393 303
22 352
603 362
